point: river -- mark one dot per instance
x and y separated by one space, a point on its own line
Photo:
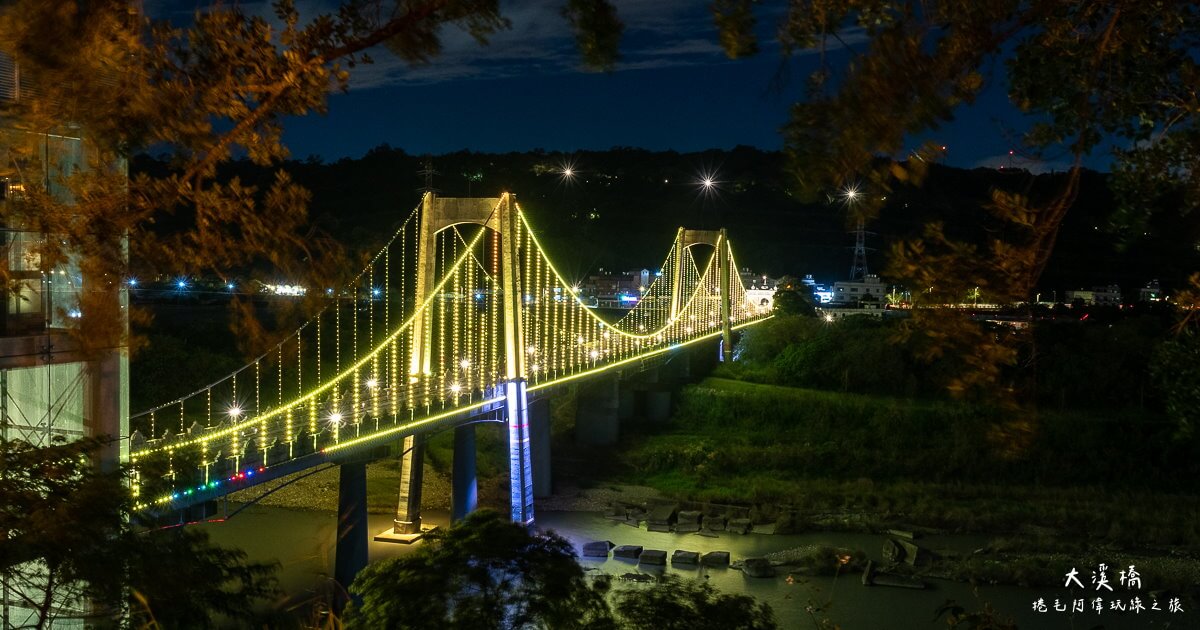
302 542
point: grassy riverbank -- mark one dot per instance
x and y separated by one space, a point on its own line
857 462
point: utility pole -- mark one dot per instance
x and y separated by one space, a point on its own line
858 269
428 172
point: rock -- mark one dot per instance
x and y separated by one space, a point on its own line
687 528
630 552
689 516
787 523
661 518
715 559
707 533
758 567
714 523
740 525
653 556
685 557
868 576
912 553
636 577
892 551
903 533
597 549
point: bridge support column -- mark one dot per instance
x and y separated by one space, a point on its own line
350 554
596 421
539 447
464 491
520 473
412 468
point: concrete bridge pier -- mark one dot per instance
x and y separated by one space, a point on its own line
412 469
464 488
539 447
596 417
350 554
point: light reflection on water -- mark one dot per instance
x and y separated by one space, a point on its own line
302 542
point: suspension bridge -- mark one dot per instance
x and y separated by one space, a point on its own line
460 316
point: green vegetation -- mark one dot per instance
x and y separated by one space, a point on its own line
487 572
857 461
70 537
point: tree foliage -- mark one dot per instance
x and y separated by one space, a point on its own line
70 549
676 603
218 88
484 572
1084 72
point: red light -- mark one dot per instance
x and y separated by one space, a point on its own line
260 469
1010 152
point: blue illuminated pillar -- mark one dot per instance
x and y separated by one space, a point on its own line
464 491
520 475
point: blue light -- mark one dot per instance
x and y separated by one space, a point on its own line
229 286
133 282
249 473
182 284
628 298
478 296
328 291
376 291
174 495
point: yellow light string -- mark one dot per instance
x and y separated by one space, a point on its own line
320 388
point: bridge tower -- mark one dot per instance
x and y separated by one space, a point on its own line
498 214
719 241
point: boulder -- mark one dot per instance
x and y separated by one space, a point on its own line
688 522
653 556
661 518
630 552
740 525
715 559
892 551
685 557
787 523
597 549
714 523
758 567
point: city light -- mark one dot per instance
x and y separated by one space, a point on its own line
464 364
455 387
708 183
372 383
235 411
335 418
181 283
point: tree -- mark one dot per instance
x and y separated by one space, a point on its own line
1085 72
675 603
794 302
218 88
482 572
71 549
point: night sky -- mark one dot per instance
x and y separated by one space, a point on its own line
673 89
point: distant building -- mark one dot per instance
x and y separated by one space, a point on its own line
621 289
1152 292
853 291
1100 296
